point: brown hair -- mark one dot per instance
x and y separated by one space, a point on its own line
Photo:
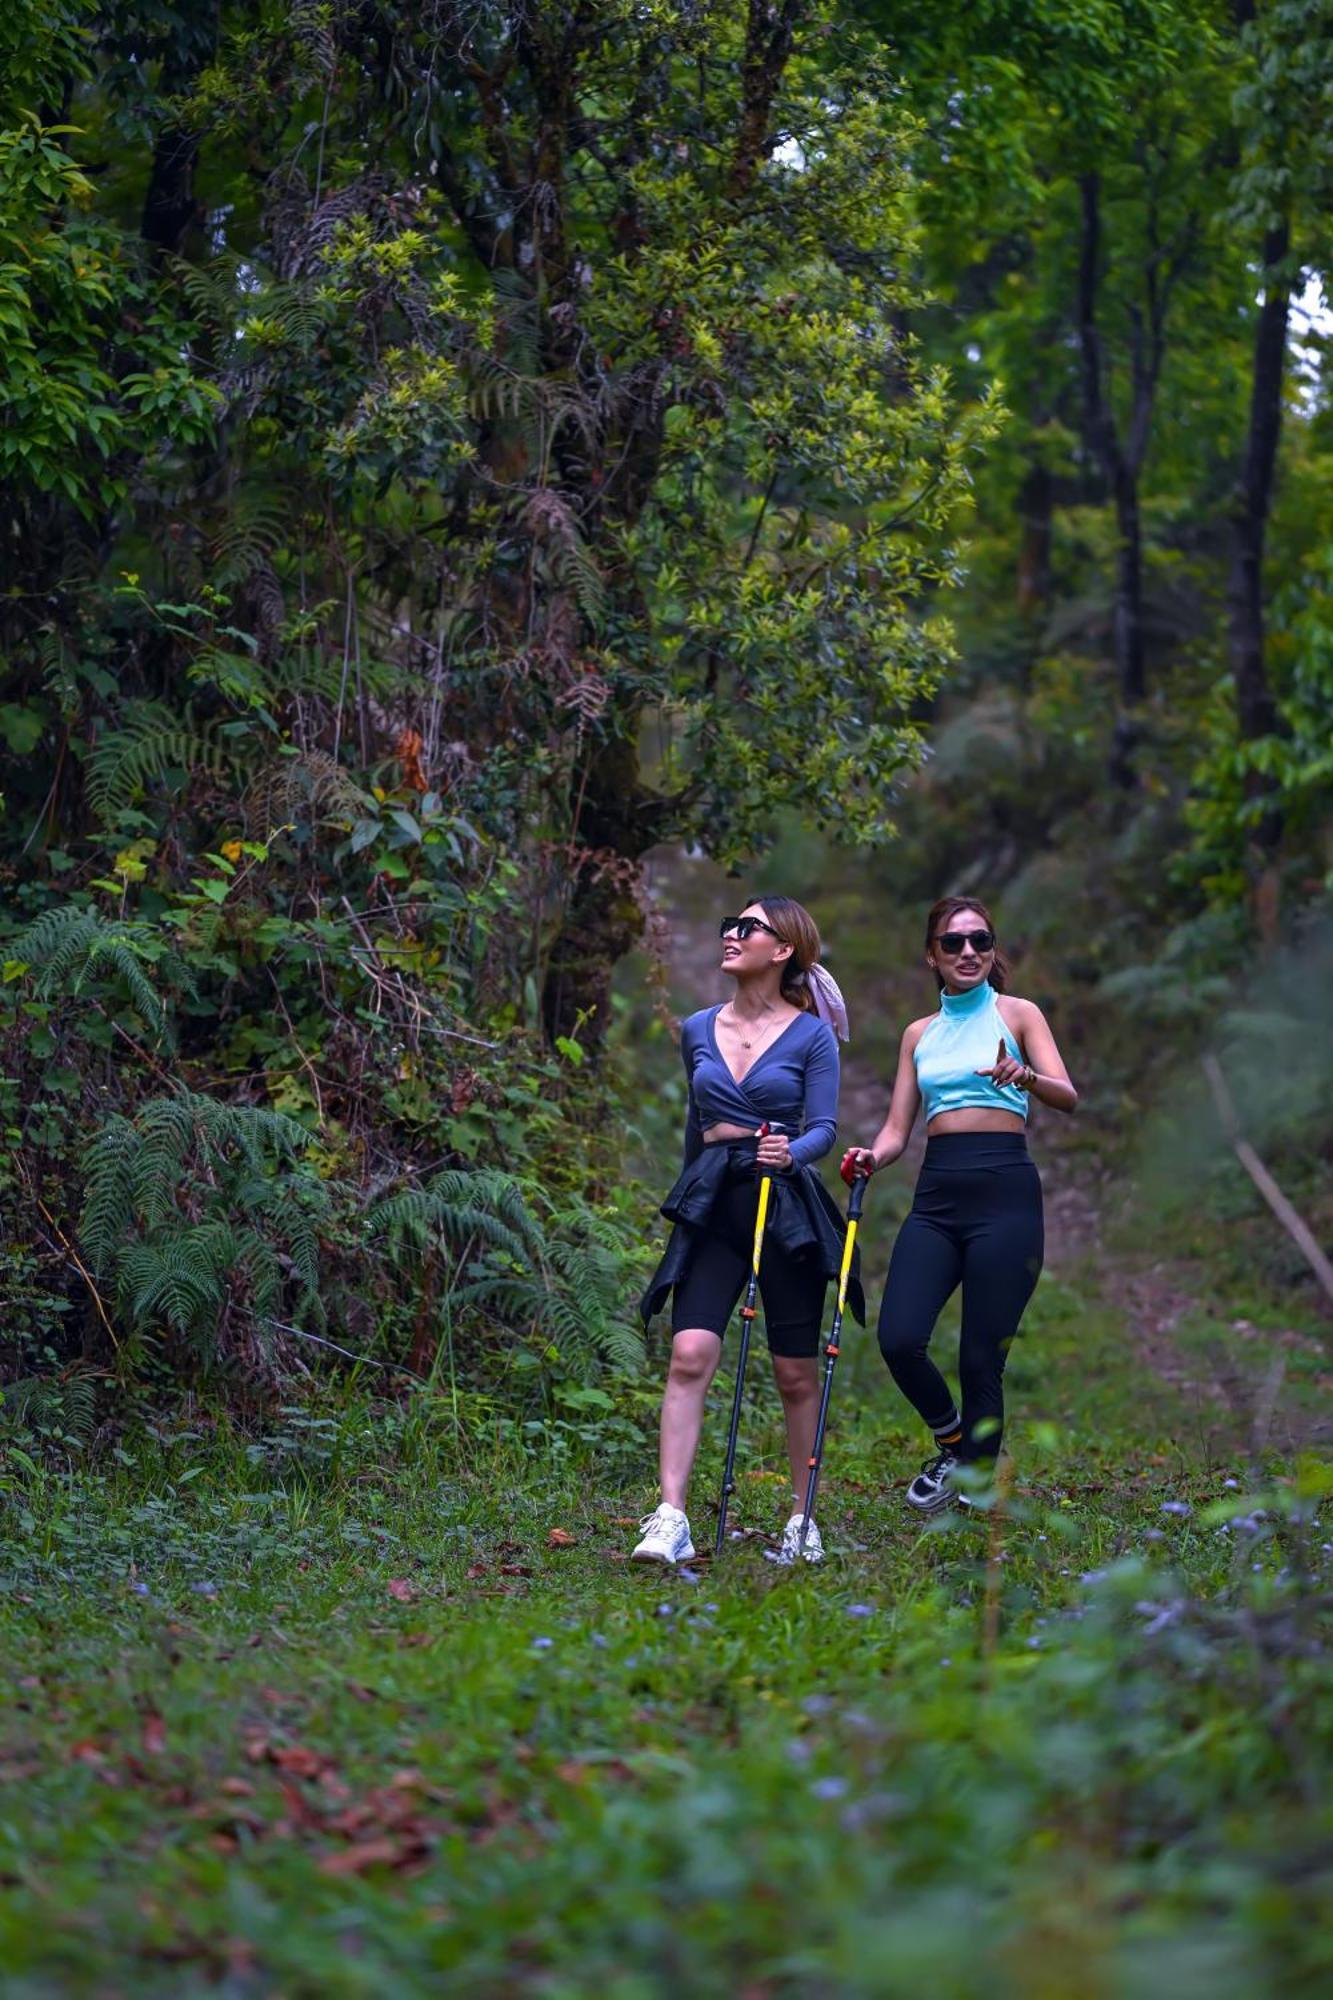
942 915
795 926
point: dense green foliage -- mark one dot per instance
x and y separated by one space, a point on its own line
413 412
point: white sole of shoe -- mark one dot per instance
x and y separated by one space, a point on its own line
667 1562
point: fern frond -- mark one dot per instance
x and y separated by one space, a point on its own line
150 744
485 1206
108 1201
178 1281
64 947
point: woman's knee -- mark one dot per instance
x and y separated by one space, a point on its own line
695 1354
797 1377
901 1338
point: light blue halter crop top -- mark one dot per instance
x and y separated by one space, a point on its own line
963 1038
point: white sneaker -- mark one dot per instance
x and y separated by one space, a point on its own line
666 1537
933 1488
791 1542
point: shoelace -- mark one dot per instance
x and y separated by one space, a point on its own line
935 1468
656 1523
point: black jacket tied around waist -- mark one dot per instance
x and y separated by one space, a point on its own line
803 1219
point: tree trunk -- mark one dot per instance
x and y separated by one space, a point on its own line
619 820
170 206
1036 505
1256 711
1127 614
1103 440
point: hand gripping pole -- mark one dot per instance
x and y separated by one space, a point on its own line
831 1351
747 1321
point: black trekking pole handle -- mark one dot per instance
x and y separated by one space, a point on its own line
831 1348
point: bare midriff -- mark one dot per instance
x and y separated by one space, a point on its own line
974 1118
714 1133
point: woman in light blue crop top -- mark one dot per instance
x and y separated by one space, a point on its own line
976 1216
767 1058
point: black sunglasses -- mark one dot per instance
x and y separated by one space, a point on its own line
744 927
953 942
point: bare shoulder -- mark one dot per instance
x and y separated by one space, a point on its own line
914 1030
1017 1011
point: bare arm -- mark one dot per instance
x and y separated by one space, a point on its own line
894 1133
1042 1074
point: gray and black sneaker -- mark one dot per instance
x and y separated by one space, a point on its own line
933 1488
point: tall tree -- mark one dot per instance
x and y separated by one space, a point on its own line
1072 164
559 370
1284 197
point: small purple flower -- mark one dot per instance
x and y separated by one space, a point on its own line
829 1788
1179 1507
204 1589
542 1645
860 1610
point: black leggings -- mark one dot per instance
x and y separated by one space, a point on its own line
976 1218
792 1287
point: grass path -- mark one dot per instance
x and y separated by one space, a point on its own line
396 1728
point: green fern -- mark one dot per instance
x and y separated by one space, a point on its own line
66 947
150 744
179 1280
484 1208
37 1405
193 1206
562 1277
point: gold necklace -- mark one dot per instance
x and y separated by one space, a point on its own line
737 1026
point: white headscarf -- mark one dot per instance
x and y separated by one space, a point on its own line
829 1003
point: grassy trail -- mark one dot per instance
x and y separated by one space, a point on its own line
392 1727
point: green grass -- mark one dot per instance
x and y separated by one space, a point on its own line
337 1718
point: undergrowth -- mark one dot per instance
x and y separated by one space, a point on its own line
364 1704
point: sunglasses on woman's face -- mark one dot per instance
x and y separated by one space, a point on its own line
953 942
744 927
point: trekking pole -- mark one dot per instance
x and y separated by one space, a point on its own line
858 1187
747 1321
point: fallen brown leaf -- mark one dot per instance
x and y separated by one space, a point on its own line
384 1851
154 1736
474 1570
299 1761
400 1588
560 1538
514 1569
